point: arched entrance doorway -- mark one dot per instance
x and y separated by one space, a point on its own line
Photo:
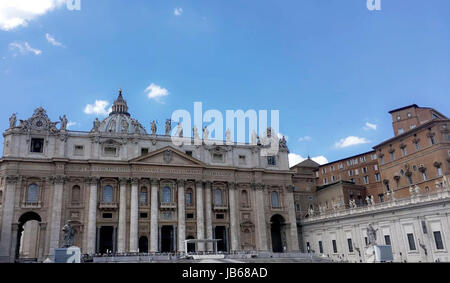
143 244
27 243
277 229
190 246
167 239
220 233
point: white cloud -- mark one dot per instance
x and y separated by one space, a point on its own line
295 159
98 108
52 40
178 11
17 13
24 48
70 124
305 139
370 126
350 141
156 92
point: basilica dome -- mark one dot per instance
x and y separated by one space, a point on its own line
120 121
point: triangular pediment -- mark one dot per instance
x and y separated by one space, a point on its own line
168 156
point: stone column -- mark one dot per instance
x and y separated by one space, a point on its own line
55 227
233 217
134 221
292 218
154 217
200 216
92 216
261 233
121 237
7 219
209 230
181 216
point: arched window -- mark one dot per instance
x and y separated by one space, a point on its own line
32 193
76 193
108 194
189 197
218 197
244 198
143 196
167 195
275 202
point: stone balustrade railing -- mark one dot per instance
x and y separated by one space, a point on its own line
391 203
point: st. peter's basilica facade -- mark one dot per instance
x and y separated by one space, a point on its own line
126 191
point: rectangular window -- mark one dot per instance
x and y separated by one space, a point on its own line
375 167
439 171
411 242
217 157
447 136
366 180
341 166
412 127
392 156
107 215
387 240
374 156
271 160
404 153
144 151
78 150
242 159
190 215
382 160
377 177
362 159
400 131
308 247
325 181
189 152
333 178
365 240
364 170
350 173
424 176
37 145
334 246
356 171
432 141
350 245
320 247
438 240
331 168
110 151
417 146
143 215
220 216
324 170
381 197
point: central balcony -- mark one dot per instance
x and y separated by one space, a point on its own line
167 206
108 206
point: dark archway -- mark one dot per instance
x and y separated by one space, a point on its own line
143 244
220 233
276 229
167 236
106 239
190 246
26 217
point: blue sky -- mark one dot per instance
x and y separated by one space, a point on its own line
330 67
